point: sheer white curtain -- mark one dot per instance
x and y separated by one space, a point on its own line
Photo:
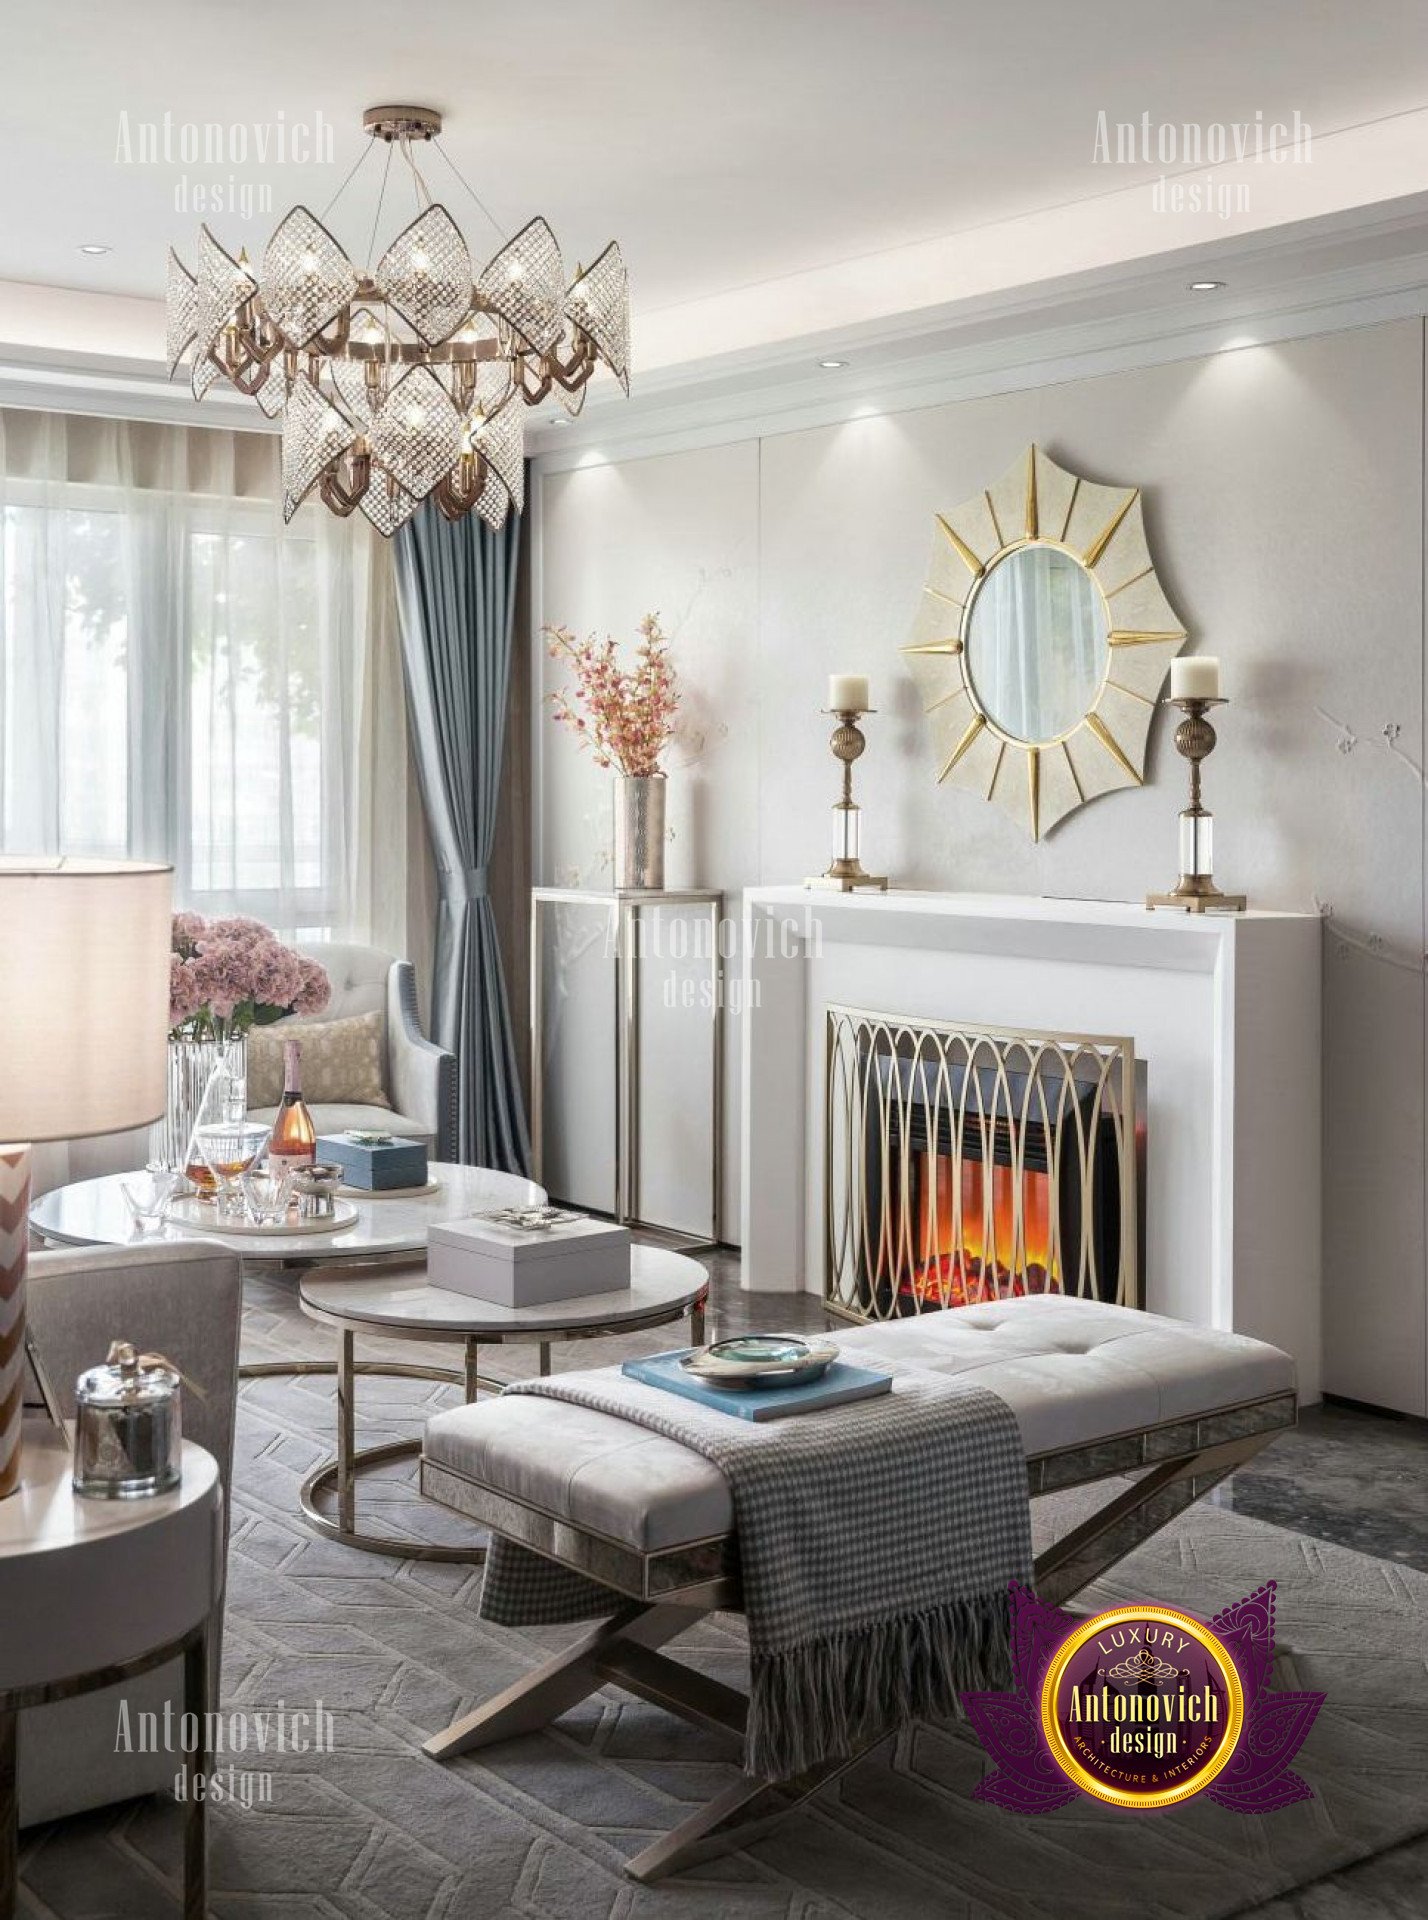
183 677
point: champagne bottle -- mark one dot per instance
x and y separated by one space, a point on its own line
294 1139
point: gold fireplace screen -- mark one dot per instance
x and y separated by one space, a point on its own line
970 1163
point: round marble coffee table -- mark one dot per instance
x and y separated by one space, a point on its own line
95 1213
400 1305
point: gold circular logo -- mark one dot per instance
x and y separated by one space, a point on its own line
1142 1706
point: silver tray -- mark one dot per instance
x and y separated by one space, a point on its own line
753 1360
190 1212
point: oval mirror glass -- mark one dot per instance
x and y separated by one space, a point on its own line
1037 644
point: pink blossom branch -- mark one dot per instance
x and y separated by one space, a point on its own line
625 717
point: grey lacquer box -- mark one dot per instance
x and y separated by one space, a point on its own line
512 1268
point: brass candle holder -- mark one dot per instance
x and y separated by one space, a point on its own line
846 874
1197 892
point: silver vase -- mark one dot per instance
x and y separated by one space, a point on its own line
191 1064
639 832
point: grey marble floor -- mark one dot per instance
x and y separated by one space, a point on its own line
1347 1475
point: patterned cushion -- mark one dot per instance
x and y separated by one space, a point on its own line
341 1061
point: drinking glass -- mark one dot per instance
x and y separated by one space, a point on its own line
229 1148
267 1195
148 1194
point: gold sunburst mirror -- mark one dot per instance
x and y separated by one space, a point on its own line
1041 642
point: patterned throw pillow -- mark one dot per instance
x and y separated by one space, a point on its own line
341 1061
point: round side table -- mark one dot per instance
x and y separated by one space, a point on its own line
94 1591
664 1287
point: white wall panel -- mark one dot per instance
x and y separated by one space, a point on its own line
677 535
1284 503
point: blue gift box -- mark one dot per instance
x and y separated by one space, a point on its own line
396 1163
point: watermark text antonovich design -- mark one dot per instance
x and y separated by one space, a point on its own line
251 1732
234 156
1186 146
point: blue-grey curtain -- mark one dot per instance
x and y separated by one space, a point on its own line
456 586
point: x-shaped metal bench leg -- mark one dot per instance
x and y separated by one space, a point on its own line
624 1651
562 1681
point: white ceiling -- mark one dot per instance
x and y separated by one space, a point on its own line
774 169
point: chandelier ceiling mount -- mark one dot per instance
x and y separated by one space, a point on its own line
402 123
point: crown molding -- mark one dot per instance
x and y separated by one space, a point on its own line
1058 330
117 389
891 375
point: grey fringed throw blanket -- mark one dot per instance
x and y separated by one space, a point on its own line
876 1542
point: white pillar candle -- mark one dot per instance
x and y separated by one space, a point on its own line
1197 678
848 693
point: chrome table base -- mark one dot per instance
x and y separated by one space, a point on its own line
341 1473
194 1760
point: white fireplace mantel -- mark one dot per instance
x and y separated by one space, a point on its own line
1223 1008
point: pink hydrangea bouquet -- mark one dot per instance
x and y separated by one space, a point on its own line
228 975
626 716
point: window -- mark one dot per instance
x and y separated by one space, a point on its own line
176 682
65 739
254 828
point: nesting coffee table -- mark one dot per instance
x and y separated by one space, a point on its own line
370 1278
388 1229
400 1305
90 1213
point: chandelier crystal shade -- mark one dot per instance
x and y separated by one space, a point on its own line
408 380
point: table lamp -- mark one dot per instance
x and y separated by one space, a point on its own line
84 1015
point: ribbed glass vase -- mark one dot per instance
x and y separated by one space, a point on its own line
191 1066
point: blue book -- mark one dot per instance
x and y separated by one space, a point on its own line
837 1387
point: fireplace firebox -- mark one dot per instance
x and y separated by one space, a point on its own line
967 1163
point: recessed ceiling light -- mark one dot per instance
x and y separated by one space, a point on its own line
559 420
95 247
1205 286
831 364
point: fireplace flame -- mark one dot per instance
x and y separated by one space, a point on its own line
990 1248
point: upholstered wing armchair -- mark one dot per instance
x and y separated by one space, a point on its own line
420 1078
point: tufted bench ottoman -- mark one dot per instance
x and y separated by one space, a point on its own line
1099 1392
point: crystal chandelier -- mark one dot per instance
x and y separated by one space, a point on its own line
408 378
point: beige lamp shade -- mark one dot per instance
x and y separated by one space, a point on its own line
84 996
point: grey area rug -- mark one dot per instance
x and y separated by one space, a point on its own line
539 1827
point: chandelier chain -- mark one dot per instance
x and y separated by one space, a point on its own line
423 191
377 216
347 180
461 177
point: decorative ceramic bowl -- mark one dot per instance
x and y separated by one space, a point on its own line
532 1219
752 1360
